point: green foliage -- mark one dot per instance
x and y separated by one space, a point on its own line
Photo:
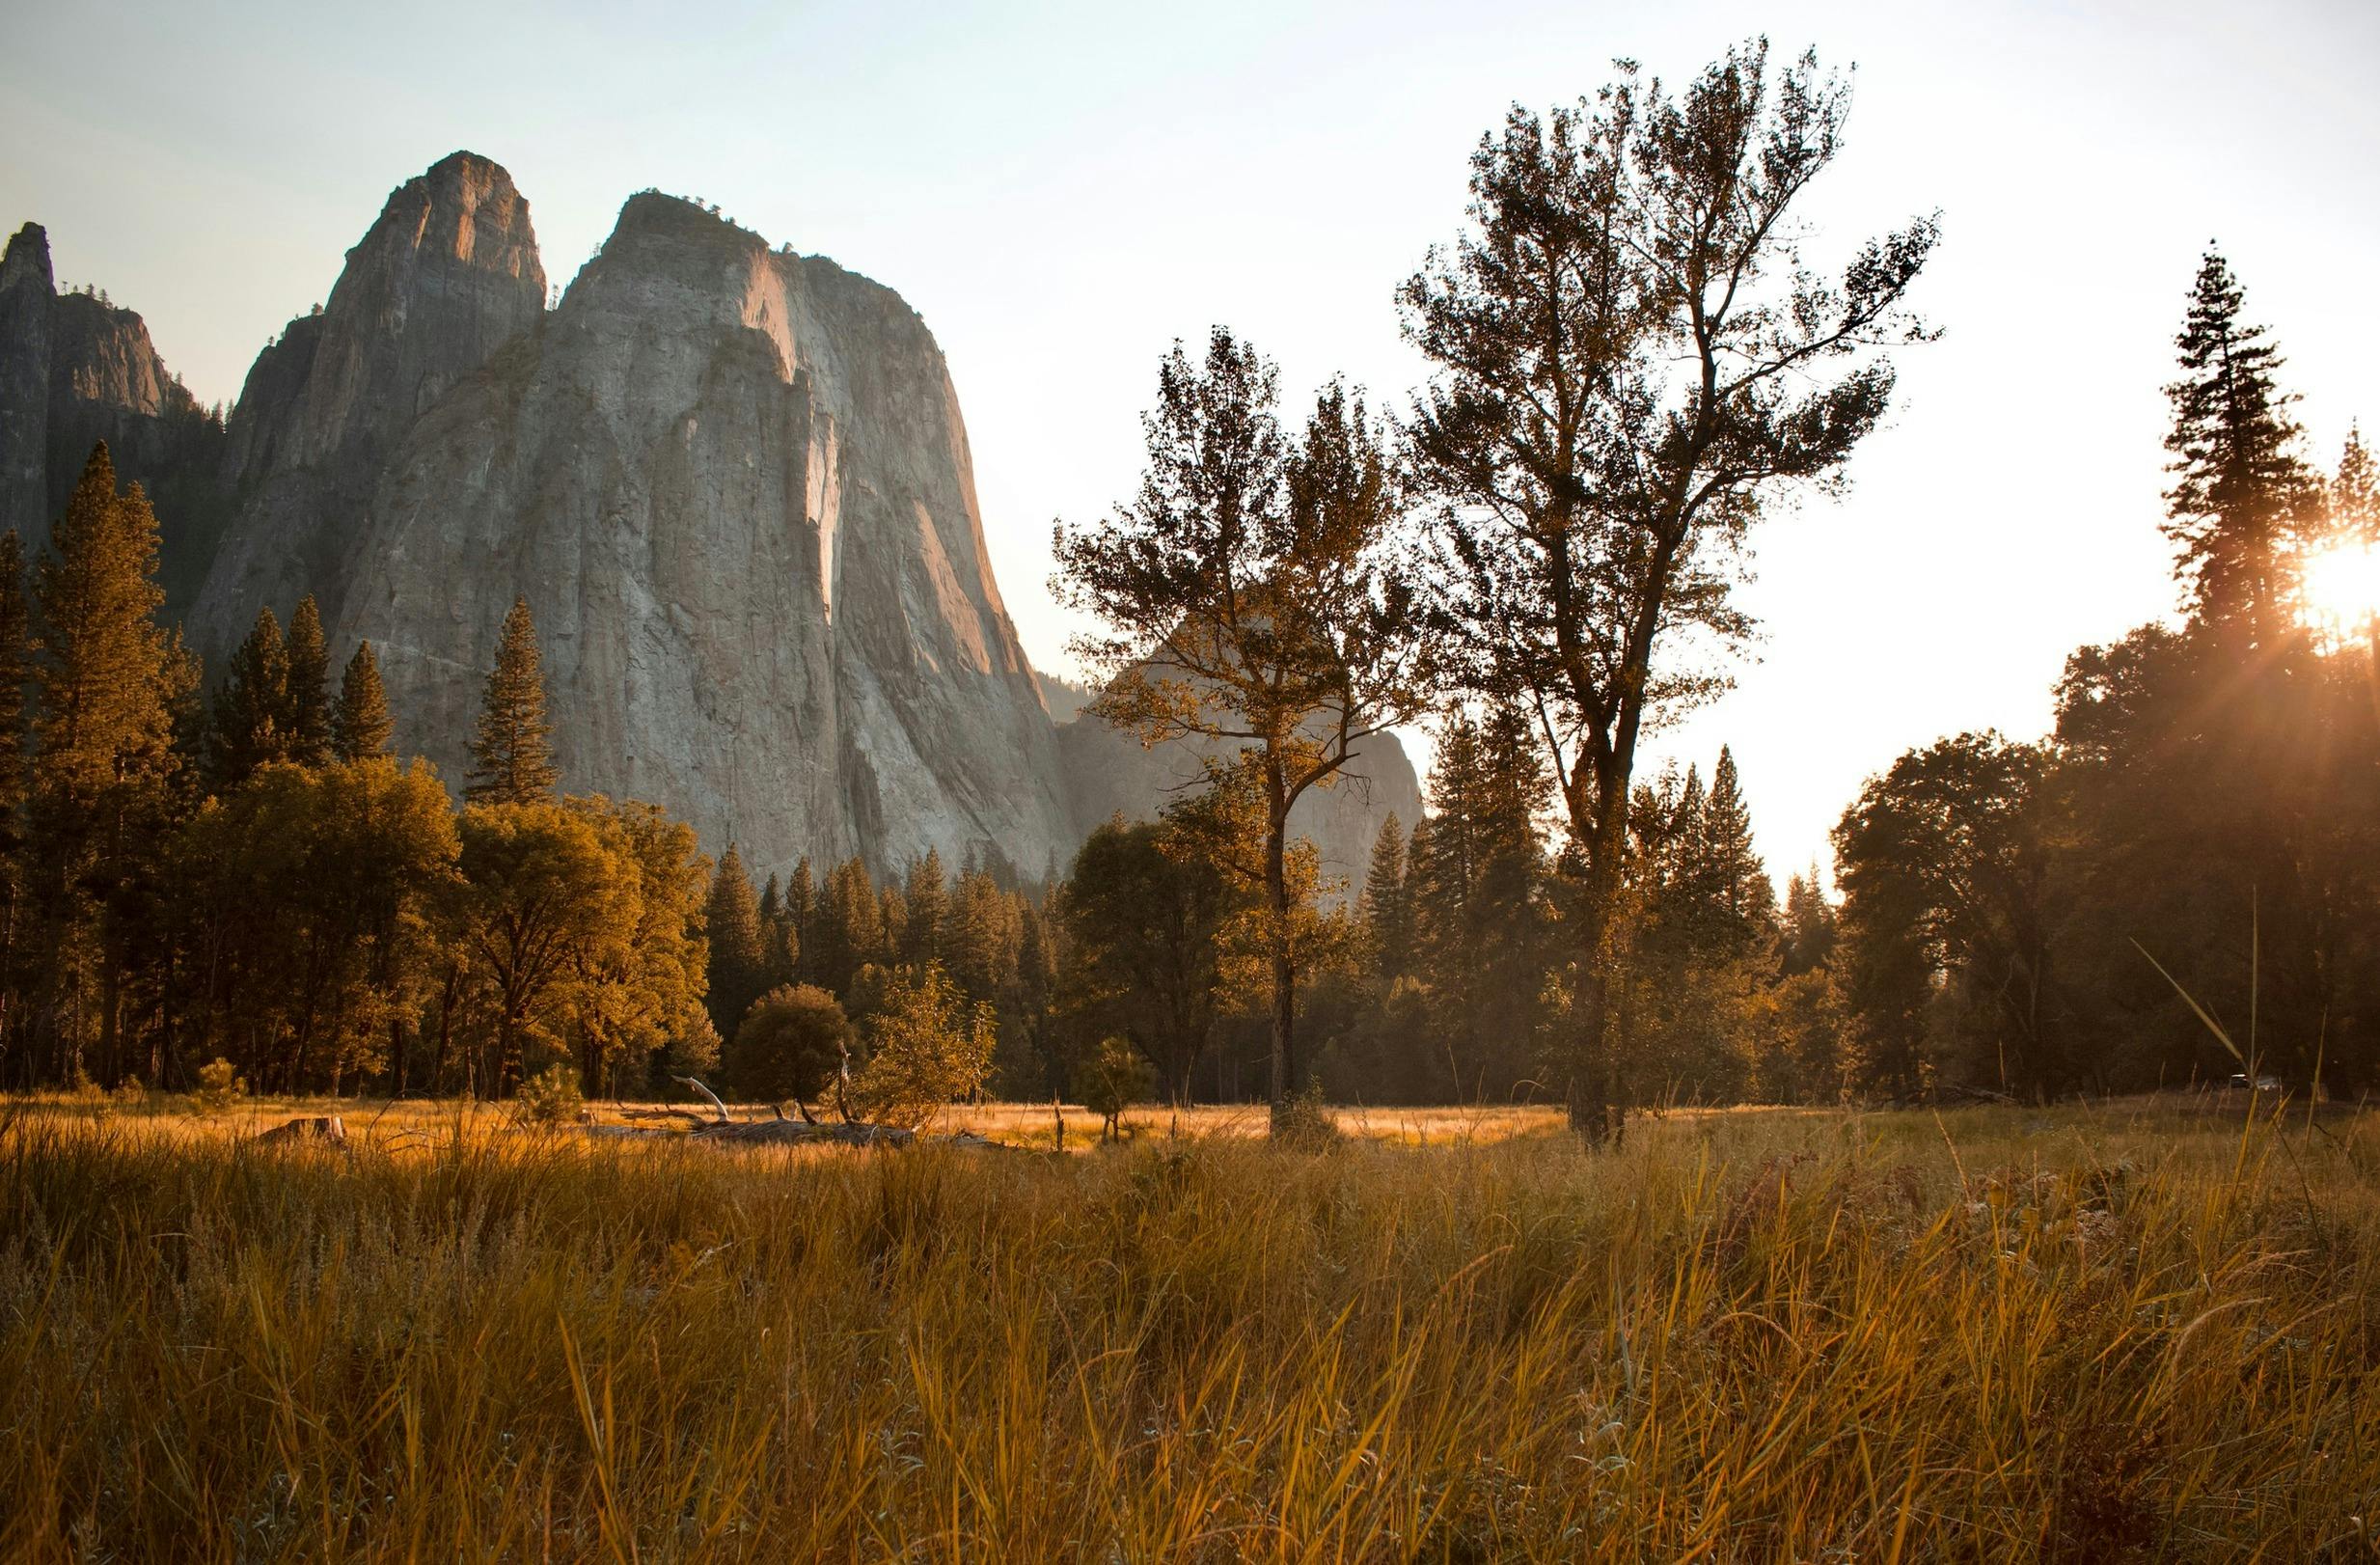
359 727
545 899
307 701
105 680
305 901
1256 603
1111 1080
220 1088
511 759
1633 365
791 1042
1144 915
251 708
551 1097
738 952
927 1047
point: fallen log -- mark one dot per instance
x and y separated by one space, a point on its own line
325 1128
698 1086
686 1114
794 1132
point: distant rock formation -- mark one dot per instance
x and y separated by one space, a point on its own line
446 276
733 483
76 370
735 487
1111 774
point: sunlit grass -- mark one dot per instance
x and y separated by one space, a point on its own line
2074 1334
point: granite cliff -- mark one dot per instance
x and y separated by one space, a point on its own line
447 275
735 485
733 481
75 368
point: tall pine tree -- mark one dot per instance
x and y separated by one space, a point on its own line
2239 489
511 761
1385 906
360 725
306 702
928 897
738 958
251 708
103 756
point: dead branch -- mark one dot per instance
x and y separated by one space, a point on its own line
690 1080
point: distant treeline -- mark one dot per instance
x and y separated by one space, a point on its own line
1631 363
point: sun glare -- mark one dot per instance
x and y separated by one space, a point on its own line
2339 586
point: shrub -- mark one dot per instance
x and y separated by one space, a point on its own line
926 1048
1114 1078
219 1087
1305 1123
787 1045
551 1097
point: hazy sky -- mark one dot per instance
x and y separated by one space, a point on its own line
1063 193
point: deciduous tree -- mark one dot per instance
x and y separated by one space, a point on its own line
1633 364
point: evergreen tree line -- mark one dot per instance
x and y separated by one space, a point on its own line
2181 881
256 879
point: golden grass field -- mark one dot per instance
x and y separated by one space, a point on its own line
2142 1330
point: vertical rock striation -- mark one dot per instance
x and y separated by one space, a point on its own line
733 483
445 276
735 487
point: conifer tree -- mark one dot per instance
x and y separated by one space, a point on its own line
928 899
511 761
2240 488
1808 938
1384 907
892 920
779 954
737 969
360 725
801 920
308 710
103 752
850 925
252 709
1744 903
1472 879
2355 492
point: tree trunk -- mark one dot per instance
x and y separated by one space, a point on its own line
1596 1112
1284 975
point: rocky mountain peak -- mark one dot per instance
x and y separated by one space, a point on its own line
444 276
26 262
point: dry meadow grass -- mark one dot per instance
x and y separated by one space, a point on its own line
2088 1335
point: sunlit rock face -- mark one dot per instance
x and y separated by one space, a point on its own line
75 371
734 484
447 275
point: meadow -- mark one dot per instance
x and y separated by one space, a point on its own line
2147 1330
